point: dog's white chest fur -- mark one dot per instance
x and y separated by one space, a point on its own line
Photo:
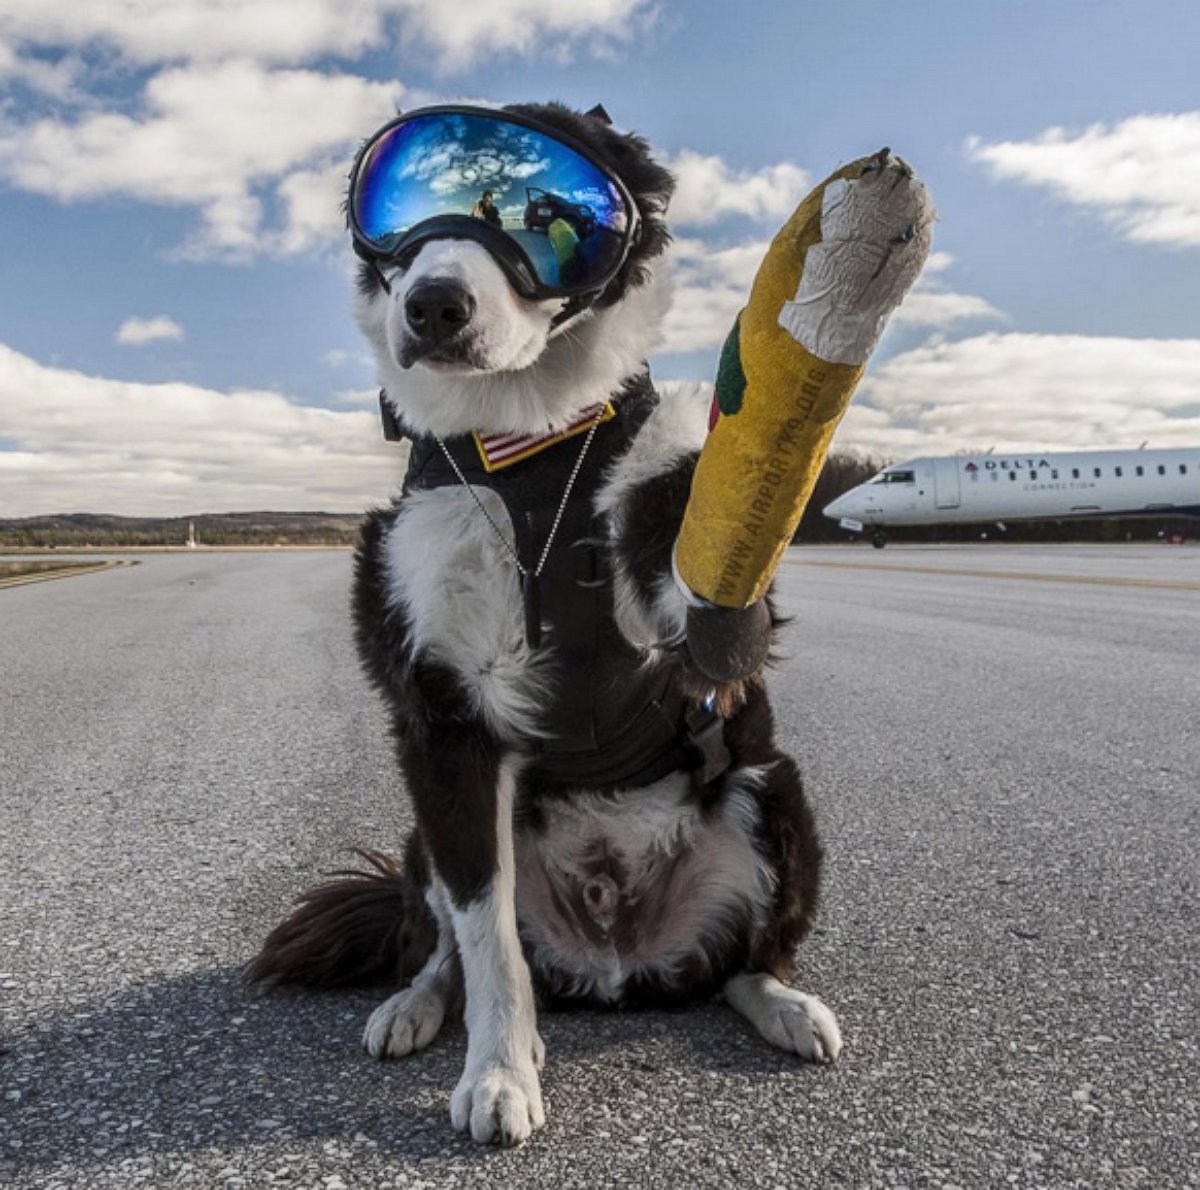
460 590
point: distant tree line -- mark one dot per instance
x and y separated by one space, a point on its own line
82 531
843 470
129 538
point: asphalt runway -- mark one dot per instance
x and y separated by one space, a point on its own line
1006 771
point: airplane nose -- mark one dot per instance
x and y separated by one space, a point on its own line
438 310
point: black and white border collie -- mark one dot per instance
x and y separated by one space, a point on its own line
520 886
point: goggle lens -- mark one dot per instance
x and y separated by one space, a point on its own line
566 214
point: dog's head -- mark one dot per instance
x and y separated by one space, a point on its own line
458 349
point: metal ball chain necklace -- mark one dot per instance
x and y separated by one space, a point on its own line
530 593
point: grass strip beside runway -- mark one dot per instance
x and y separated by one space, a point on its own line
18 574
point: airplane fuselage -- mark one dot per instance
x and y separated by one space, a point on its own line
960 489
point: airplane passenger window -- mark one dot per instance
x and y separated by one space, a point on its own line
1033 476
1074 472
1161 469
1053 472
1096 472
1140 471
1182 468
1013 476
1118 472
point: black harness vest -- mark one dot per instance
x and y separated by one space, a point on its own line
612 720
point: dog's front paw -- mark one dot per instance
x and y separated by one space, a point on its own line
803 1024
791 1020
405 1023
500 1103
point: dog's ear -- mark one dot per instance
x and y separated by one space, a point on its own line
598 113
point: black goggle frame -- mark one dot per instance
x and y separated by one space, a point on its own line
506 252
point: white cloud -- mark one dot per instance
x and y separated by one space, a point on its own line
708 190
931 304
87 443
1029 392
710 286
340 358
149 31
312 201
937 263
1141 175
934 308
58 79
136 331
218 138
363 398
462 33
290 32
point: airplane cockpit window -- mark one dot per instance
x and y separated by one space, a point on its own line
895 477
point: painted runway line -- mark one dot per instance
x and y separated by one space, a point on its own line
1091 580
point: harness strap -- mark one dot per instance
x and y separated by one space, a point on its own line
613 721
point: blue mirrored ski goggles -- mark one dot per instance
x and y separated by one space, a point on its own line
560 224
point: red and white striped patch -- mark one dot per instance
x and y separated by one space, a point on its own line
497 451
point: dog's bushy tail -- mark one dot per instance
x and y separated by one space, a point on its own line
357 928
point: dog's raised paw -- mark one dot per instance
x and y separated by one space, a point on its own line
404 1023
500 1104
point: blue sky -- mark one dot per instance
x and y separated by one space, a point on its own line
174 296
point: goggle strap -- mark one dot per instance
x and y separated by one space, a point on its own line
574 307
387 287
372 262
392 430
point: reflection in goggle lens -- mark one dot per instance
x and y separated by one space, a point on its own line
563 212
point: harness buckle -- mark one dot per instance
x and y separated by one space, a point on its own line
589 567
705 742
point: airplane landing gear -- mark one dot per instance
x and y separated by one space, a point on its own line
879 539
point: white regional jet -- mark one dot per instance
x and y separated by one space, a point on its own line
984 488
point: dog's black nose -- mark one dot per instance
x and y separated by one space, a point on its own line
437 310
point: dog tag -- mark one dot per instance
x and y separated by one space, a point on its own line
533 609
